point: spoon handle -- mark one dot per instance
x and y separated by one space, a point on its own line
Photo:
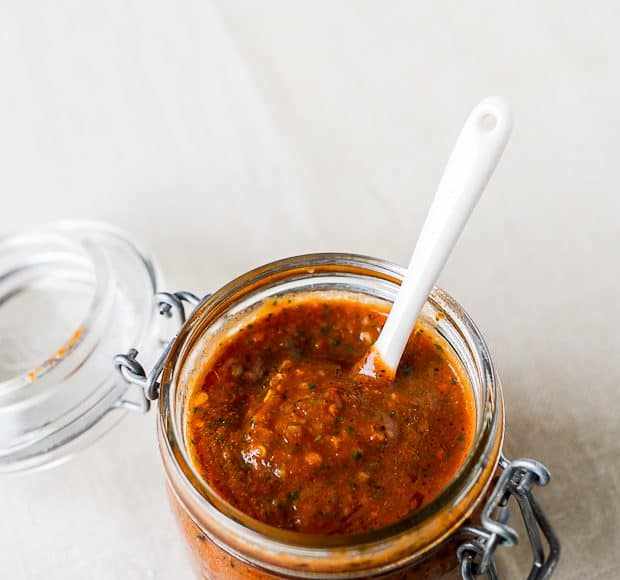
471 164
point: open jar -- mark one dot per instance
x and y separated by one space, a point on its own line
454 535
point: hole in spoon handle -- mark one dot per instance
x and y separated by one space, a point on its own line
488 122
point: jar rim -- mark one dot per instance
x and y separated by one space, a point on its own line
483 455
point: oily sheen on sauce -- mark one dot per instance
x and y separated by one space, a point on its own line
286 432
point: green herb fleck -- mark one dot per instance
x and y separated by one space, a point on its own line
357 455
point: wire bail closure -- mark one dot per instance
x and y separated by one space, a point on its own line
170 305
517 480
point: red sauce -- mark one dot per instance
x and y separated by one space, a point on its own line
286 431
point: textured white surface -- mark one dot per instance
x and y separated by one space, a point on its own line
225 134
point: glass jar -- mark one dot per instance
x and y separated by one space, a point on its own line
225 543
74 295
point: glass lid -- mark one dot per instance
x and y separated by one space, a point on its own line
72 295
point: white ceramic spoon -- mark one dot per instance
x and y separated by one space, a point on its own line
472 162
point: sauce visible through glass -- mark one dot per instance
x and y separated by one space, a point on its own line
283 429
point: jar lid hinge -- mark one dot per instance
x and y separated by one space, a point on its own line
517 480
170 305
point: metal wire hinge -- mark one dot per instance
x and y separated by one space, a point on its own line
170 305
517 480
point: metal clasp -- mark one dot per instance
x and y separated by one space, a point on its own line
170 305
517 480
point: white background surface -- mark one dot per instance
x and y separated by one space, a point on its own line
225 134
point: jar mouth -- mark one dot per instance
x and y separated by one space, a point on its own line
316 271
